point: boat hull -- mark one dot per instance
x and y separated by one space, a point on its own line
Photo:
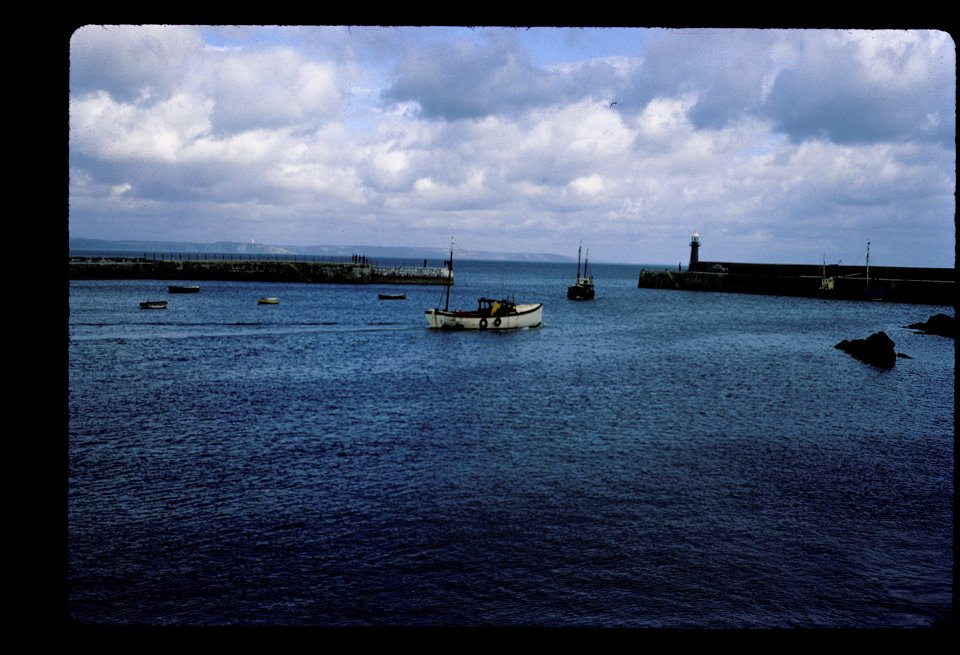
580 292
176 289
526 316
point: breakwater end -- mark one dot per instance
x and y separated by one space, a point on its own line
933 286
251 269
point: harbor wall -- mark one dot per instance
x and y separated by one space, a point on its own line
935 286
142 268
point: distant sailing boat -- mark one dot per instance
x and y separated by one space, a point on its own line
583 289
491 313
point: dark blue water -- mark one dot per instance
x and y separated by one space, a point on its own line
651 458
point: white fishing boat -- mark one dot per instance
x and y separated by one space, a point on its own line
490 314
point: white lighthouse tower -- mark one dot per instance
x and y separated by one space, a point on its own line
694 250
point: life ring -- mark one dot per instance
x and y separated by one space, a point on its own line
483 324
496 322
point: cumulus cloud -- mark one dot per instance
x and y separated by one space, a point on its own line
844 86
131 61
864 87
273 87
790 143
726 72
468 79
104 128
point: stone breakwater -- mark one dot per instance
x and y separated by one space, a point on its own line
935 286
253 270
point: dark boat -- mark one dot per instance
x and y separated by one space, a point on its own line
176 289
583 289
153 304
392 296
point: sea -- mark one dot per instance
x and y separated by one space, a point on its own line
649 459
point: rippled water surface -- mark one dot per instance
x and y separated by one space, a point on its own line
650 458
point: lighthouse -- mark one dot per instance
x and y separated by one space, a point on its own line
694 250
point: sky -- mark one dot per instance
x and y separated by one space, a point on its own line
779 146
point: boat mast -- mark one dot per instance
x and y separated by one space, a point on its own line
585 260
579 248
446 304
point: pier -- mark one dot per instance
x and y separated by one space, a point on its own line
911 285
167 266
927 286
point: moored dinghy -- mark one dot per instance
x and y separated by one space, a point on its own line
490 314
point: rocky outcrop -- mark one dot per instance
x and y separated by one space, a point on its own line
940 324
877 349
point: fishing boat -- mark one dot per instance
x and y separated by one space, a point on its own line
153 304
177 289
849 287
392 296
583 289
268 301
490 314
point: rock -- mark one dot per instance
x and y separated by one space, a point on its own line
877 349
939 324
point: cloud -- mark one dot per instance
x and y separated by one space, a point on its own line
725 71
868 87
469 79
131 61
793 140
845 86
161 131
271 87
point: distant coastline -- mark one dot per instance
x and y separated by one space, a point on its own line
81 244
